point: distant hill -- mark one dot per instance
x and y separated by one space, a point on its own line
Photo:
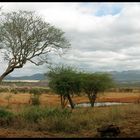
38 76
130 76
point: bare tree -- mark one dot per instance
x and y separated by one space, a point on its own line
24 36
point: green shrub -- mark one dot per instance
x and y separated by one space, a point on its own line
4 113
20 89
5 116
38 90
57 112
64 125
56 124
32 114
35 99
36 113
64 122
35 91
4 89
15 91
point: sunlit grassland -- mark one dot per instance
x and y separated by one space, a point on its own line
73 122
80 122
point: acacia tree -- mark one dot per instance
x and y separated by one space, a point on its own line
65 82
93 83
25 36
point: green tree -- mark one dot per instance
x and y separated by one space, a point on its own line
65 82
93 83
26 37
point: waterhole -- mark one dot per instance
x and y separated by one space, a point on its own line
98 104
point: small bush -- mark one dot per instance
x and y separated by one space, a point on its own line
4 90
36 113
20 89
5 116
32 114
32 90
35 91
65 122
35 99
4 113
38 90
15 91
56 112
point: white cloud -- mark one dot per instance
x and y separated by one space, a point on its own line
109 42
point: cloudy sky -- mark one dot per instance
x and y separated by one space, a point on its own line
103 36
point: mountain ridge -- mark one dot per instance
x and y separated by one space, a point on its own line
38 76
118 76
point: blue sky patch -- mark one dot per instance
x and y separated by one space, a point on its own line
108 10
103 9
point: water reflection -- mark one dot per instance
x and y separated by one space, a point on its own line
98 104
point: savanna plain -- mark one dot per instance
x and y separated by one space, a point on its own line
21 116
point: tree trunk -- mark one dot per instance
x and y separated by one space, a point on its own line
63 101
70 101
2 77
5 74
92 99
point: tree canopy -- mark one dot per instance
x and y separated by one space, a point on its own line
93 83
64 81
25 36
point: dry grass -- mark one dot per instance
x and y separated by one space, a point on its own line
82 123
50 99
